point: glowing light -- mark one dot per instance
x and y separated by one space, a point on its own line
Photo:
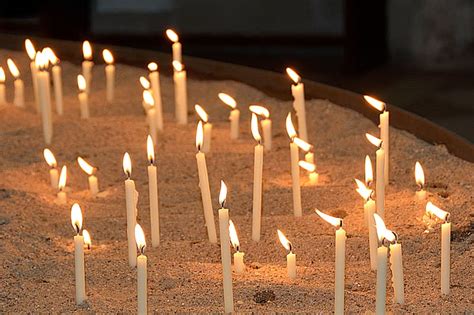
127 164
380 106
81 82
62 178
87 239
201 113
362 189
76 217
86 167
290 128
284 241
419 175
108 57
254 128
140 238
13 68
293 75
148 98
234 239
30 49
228 100
310 167
369 172
431 209
223 194
41 60
382 231
150 149
87 50
199 136
145 83
374 140
49 53
49 157
172 36
260 110
153 66
2 75
336 222
303 145
178 66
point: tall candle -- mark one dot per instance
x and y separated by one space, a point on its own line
173 37
180 93
234 116
207 128
266 125
225 251
31 51
79 273
92 179
382 251
420 181
109 75
149 103
19 98
290 257
53 171
87 64
379 180
3 99
297 90
295 171
239 265
83 96
44 94
61 196
204 185
154 77
396 265
57 80
257 181
153 193
142 287
131 202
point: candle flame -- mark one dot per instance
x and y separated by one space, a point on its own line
379 105
30 49
41 60
140 238
260 110
363 191
49 157
87 239
293 75
336 222
150 149
374 140
369 172
234 239
153 66
290 128
382 231
81 82
86 167
87 50
13 68
284 241
254 128
310 167
148 98
199 136
62 178
76 217
127 164
172 36
201 113
228 100
419 175
303 145
50 55
2 75
108 57
145 83
178 66
431 209
222 194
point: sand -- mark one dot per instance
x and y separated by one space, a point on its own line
36 247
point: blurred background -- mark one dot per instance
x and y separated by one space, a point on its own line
416 54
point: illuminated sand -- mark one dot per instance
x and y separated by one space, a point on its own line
36 248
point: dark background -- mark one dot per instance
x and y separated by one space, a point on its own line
417 54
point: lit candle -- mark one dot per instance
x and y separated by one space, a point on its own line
154 77
153 193
57 79
311 169
204 185
379 180
3 99
308 164
239 265
234 116
149 102
147 87
90 170
109 75
53 171
62 197
257 181
131 198
340 261
180 93
172 36
87 64
31 51
382 252
19 98
295 171
266 125
225 251
313 176
384 131
87 239
44 94
396 265
83 96
290 258
420 181
80 279
142 260
207 128
297 90
435 212
369 172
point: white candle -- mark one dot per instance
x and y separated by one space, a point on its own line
205 188
239 265
131 202
225 251
53 171
19 99
297 90
44 94
207 128
80 281
57 81
109 75
420 195
142 287
87 64
396 265
31 51
149 104
257 181
3 99
290 257
61 196
83 96
87 239
153 194
234 116
180 93
89 170
176 44
266 124
154 77
295 170
379 180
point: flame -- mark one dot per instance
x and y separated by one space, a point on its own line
87 238
290 128
284 241
380 106
87 50
148 98
234 239
254 128
2 75
303 145
437 212
127 164
150 149
30 49
76 217
336 222
362 189
172 35
178 66
228 100
199 136
153 66
62 178
13 68
41 60
419 175
374 140
49 53
86 167
310 167
145 83
382 231
108 57
369 172
260 110
49 157
81 82
293 75
201 113
140 238
222 194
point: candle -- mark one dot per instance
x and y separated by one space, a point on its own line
53 171
396 265
297 90
234 116
153 193
62 197
379 183
154 77
80 279
420 181
131 198
3 99
313 176
172 36
204 185
87 64
311 169
90 170
180 93
44 94
340 261
83 96
290 258
435 212
57 80
109 75
31 51
19 98
369 172
147 87
308 163
239 265
384 131
142 260
207 128
295 171
266 124
225 251
257 181
87 239
149 103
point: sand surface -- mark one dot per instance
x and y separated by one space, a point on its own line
36 236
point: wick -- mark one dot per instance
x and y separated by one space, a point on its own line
291 247
77 229
142 250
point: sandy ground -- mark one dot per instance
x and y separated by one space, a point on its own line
36 248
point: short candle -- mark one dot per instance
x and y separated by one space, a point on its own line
53 164
234 116
19 98
91 171
239 265
290 258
